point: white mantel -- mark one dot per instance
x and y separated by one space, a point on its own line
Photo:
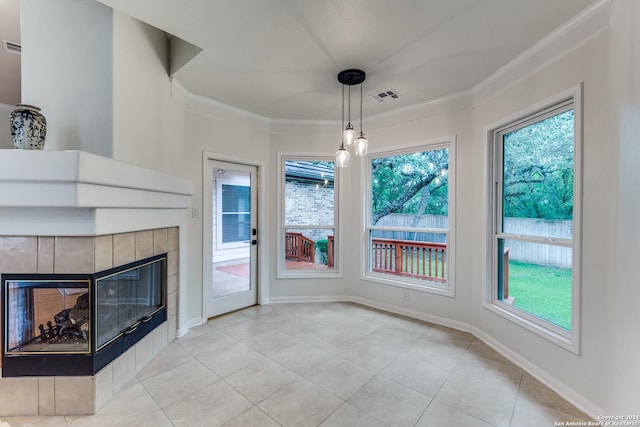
76 193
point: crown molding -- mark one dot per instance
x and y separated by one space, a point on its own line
581 29
206 106
590 23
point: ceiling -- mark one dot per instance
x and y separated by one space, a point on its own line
280 58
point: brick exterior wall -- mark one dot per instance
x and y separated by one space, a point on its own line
309 203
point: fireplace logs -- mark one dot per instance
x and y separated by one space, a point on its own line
74 321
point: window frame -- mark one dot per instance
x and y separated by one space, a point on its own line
282 272
366 272
562 102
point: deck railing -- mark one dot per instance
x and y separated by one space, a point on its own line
330 244
300 248
407 258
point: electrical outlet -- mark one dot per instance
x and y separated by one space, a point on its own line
405 296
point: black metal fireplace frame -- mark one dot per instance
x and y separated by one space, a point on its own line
81 364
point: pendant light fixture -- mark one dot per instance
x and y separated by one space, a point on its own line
361 144
349 136
342 155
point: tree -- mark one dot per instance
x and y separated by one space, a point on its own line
538 169
413 183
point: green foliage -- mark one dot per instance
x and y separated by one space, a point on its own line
415 183
538 169
542 291
538 175
322 246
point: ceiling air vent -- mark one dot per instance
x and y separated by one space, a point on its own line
11 47
386 96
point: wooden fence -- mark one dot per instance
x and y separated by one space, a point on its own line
542 254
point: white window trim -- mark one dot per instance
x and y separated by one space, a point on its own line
449 289
569 340
238 182
336 272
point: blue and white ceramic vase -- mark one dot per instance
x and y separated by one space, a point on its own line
28 127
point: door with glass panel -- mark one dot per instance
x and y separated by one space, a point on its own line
231 237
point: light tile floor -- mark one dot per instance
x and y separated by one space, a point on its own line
326 364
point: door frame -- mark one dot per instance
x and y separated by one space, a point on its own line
207 231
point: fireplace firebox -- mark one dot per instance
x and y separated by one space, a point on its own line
75 324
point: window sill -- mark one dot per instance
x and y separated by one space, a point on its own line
563 338
309 275
431 287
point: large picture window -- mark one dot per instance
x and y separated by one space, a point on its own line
408 228
535 260
308 241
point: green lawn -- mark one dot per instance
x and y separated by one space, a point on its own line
542 291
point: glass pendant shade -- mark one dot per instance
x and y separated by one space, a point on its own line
342 157
361 145
349 135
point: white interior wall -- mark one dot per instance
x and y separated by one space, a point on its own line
621 290
585 64
148 118
227 135
5 127
323 138
432 127
317 139
67 72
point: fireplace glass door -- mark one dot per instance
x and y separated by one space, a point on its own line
128 298
47 316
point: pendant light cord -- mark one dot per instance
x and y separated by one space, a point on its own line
349 120
342 143
361 129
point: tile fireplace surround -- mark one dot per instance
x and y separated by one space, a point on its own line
74 212
47 254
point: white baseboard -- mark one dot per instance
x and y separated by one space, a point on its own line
561 389
191 323
565 392
323 298
196 321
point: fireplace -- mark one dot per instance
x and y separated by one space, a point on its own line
76 324
75 213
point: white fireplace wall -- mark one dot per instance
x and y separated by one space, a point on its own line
101 80
148 113
67 71
5 128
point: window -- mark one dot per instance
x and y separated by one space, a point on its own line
408 231
534 244
234 215
308 217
